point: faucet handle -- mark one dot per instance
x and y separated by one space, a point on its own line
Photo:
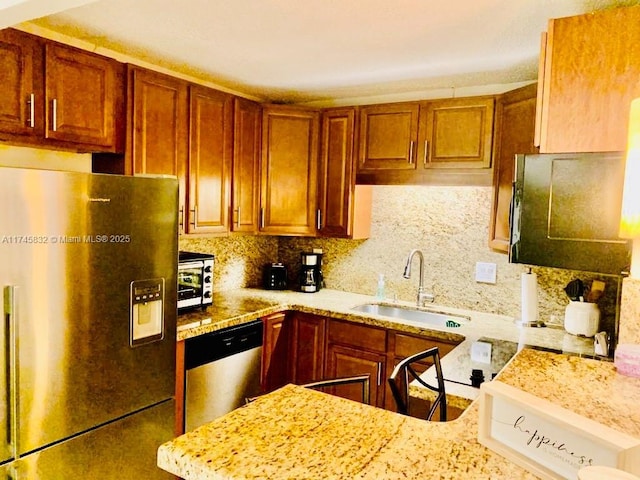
425 297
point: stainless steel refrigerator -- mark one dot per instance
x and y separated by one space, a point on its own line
88 268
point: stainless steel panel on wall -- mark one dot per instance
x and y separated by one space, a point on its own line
73 243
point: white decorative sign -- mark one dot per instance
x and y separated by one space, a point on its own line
547 440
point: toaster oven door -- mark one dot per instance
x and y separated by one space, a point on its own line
190 284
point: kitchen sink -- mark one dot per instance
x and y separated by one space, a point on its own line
438 319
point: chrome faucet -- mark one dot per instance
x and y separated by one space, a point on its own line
423 297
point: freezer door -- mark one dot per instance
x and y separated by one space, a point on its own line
122 450
73 244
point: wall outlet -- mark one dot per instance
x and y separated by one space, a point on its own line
486 272
481 352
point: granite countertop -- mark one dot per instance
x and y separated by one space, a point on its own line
304 434
239 306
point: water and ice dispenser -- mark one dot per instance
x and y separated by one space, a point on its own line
147 311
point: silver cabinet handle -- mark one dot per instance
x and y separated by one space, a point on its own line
194 211
379 373
411 151
318 219
238 217
11 315
181 217
54 115
426 153
32 110
261 217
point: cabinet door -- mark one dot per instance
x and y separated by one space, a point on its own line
345 361
210 152
21 93
403 345
80 96
388 136
590 75
515 125
158 128
307 348
456 133
355 349
275 352
289 171
344 208
246 163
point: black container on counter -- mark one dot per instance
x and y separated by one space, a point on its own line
274 276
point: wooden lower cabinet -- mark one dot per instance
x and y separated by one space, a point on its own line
402 345
356 349
275 352
343 361
302 347
307 347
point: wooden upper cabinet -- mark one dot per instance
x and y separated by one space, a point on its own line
289 170
246 166
21 76
59 96
388 136
157 128
515 121
80 96
344 208
436 142
210 156
590 72
456 133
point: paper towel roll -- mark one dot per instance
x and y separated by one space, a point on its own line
529 297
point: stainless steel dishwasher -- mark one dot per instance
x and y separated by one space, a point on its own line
222 369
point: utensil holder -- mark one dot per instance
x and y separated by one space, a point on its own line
582 318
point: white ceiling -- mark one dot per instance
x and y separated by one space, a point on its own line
322 50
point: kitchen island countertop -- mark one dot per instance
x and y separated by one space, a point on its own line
303 434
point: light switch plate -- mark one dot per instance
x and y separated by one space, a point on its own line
486 272
481 352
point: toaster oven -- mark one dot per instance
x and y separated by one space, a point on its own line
195 280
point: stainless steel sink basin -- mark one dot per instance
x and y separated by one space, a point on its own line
438 319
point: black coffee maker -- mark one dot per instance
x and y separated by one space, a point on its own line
310 272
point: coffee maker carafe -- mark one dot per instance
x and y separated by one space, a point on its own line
310 272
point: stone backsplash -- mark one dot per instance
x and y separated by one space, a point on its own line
630 311
448 224
239 259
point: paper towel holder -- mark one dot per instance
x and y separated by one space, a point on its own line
529 323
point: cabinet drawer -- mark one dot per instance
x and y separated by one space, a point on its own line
406 345
363 336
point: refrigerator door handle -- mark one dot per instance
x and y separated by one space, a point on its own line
10 326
